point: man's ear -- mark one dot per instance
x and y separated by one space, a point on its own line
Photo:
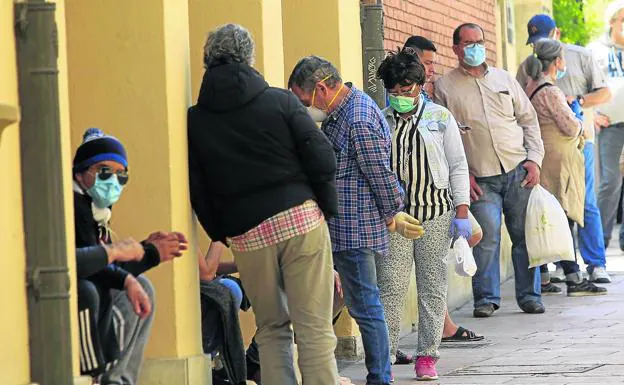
456 49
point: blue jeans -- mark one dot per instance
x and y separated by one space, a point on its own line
591 237
502 194
361 295
610 143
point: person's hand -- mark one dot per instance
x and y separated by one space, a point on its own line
338 284
570 99
169 244
406 225
601 121
533 174
475 190
138 298
124 251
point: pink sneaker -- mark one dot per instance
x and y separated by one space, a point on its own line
425 369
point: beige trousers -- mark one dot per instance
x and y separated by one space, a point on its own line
293 283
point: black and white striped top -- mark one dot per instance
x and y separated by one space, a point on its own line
409 160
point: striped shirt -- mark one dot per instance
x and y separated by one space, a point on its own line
410 162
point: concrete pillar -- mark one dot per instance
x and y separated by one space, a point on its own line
330 29
129 74
14 357
326 28
263 19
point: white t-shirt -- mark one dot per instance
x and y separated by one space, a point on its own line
609 58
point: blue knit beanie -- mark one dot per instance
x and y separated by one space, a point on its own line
98 147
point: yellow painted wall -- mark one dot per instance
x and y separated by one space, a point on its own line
14 356
129 65
330 29
261 17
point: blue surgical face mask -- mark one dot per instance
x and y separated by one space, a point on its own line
474 55
561 73
105 193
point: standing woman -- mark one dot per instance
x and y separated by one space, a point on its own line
563 167
429 160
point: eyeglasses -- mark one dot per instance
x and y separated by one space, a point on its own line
105 173
403 92
472 44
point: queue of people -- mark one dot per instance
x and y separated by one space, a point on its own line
318 219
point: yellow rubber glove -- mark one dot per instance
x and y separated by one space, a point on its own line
406 225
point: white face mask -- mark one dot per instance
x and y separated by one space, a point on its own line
317 114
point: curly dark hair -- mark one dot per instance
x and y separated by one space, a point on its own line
401 67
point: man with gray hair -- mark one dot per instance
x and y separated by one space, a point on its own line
262 180
369 197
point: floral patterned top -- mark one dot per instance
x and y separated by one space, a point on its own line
552 107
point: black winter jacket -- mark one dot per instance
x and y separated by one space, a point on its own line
253 152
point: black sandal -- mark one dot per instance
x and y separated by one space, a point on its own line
463 335
403 358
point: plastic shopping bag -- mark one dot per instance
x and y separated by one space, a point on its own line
461 256
548 236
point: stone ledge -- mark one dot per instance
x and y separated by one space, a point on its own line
349 348
9 114
83 380
194 370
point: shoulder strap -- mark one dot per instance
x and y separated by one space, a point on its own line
538 89
421 113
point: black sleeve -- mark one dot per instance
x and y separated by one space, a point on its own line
85 228
112 276
90 260
200 200
150 259
316 155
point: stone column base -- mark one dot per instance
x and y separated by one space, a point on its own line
194 370
83 380
350 348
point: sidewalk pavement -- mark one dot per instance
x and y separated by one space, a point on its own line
577 341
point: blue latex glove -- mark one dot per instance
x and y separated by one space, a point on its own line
578 111
461 227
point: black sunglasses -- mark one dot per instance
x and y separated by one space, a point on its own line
106 173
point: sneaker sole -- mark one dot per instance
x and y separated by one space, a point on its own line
586 294
427 378
601 280
551 293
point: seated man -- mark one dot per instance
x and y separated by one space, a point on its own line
211 269
114 300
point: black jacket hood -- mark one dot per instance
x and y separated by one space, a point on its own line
230 86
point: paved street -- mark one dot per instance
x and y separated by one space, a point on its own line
577 341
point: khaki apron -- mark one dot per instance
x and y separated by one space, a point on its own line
563 171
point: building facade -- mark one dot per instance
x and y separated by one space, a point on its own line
133 68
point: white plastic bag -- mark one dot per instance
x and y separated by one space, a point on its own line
548 236
461 256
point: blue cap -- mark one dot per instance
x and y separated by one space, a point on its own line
539 27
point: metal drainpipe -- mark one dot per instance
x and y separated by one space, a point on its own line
371 20
42 191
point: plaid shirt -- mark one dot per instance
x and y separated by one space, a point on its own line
281 227
368 189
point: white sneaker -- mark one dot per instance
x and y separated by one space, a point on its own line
599 275
557 276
